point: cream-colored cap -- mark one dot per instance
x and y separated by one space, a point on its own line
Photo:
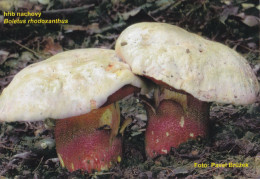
68 84
207 70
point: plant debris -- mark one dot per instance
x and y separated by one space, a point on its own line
27 150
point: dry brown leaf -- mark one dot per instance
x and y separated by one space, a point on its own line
52 47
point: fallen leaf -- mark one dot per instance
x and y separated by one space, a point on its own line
218 177
51 47
23 4
142 117
6 5
44 2
26 56
247 5
23 155
180 170
133 12
126 123
227 12
3 56
251 21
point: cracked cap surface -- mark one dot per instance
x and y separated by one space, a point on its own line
68 84
208 70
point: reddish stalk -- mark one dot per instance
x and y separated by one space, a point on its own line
178 118
81 145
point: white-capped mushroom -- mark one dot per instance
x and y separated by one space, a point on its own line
191 71
80 88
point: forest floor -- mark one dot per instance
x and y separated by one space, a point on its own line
27 149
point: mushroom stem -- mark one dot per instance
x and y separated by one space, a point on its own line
178 118
89 142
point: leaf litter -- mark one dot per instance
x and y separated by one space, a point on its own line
27 150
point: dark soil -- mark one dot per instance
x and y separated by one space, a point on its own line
27 150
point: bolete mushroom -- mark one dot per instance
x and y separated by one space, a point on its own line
190 72
80 88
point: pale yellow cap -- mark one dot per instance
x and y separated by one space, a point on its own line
68 84
208 70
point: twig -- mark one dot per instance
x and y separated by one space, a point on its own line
69 10
162 8
3 146
165 168
111 27
38 165
6 167
206 172
102 173
30 50
147 104
93 29
165 7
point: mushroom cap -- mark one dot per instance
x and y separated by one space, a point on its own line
68 84
208 70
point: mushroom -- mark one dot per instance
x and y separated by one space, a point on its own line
190 72
80 88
